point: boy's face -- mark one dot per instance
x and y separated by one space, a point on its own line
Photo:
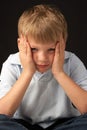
43 54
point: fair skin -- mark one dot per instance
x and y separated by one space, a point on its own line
42 54
42 57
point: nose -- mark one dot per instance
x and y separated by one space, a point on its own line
42 57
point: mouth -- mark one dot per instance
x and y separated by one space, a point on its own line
42 66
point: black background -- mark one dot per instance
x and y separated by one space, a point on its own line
75 12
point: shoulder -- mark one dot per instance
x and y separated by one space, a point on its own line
72 58
13 59
69 55
12 62
75 68
74 63
11 68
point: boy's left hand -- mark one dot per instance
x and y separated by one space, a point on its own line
57 66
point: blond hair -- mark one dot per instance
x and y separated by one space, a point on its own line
43 23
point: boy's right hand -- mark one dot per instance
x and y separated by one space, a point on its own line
26 55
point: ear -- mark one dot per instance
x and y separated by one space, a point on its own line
18 42
63 42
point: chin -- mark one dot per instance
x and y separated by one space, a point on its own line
42 71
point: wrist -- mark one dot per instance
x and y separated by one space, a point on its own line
27 74
60 75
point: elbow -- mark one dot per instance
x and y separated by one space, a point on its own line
83 109
4 110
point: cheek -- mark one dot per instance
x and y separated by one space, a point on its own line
34 57
51 58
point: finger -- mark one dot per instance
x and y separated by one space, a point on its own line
57 49
62 44
28 49
22 42
62 48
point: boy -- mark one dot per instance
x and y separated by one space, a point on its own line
43 86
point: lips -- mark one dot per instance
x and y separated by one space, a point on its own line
42 66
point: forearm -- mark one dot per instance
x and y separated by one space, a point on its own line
10 102
76 94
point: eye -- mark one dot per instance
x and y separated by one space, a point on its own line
34 49
51 49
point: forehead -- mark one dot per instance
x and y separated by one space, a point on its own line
34 43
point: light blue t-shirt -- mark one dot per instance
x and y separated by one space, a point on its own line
44 100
